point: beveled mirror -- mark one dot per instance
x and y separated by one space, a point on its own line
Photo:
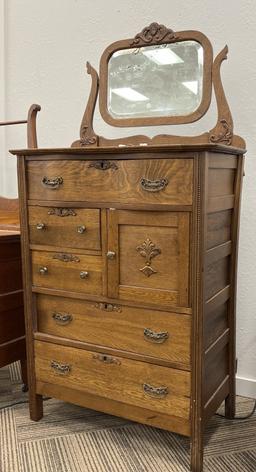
158 77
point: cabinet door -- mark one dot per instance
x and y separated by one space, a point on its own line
148 257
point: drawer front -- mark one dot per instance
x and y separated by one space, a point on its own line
66 271
159 181
156 388
66 227
147 332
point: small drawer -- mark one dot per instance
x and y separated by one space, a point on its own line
67 271
148 332
65 227
144 181
157 388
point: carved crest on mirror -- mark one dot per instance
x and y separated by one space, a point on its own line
159 77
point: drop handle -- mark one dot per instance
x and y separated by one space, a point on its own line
155 337
43 270
62 318
52 183
40 226
62 369
84 274
153 185
155 392
81 229
111 255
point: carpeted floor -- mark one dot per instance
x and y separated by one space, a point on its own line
74 439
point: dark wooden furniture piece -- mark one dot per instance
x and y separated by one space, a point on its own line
129 258
12 323
12 327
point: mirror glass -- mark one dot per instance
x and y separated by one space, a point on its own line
152 81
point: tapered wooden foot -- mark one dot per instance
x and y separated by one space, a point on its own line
24 375
36 407
230 406
197 454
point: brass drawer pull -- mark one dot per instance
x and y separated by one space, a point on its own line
108 307
153 185
43 270
155 392
106 359
62 369
81 229
40 226
52 183
84 274
62 318
103 165
155 337
111 255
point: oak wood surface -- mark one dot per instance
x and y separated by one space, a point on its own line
120 379
198 247
80 228
122 328
120 183
142 415
151 256
63 271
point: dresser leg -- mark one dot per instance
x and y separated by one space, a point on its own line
197 453
36 407
230 406
24 374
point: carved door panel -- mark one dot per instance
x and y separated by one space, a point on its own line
148 257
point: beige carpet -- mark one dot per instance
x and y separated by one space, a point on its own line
74 439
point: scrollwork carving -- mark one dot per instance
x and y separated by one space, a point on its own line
225 135
153 34
148 250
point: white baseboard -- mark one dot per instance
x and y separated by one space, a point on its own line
246 387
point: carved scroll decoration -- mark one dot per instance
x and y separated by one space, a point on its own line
87 134
223 131
148 250
153 34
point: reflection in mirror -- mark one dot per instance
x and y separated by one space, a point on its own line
151 81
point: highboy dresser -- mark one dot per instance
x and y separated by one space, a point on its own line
129 258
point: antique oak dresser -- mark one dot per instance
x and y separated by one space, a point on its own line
130 246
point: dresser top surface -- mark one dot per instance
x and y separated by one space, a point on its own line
196 148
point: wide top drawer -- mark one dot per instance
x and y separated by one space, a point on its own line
144 181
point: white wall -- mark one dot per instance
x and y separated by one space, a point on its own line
46 44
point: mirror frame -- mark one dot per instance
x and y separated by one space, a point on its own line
152 35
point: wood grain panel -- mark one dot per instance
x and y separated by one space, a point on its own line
80 228
221 182
151 256
122 328
218 228
115 378
217 276
167 422
215 371
215 323
65 275
120 183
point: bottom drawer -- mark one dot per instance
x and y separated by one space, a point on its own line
156 388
